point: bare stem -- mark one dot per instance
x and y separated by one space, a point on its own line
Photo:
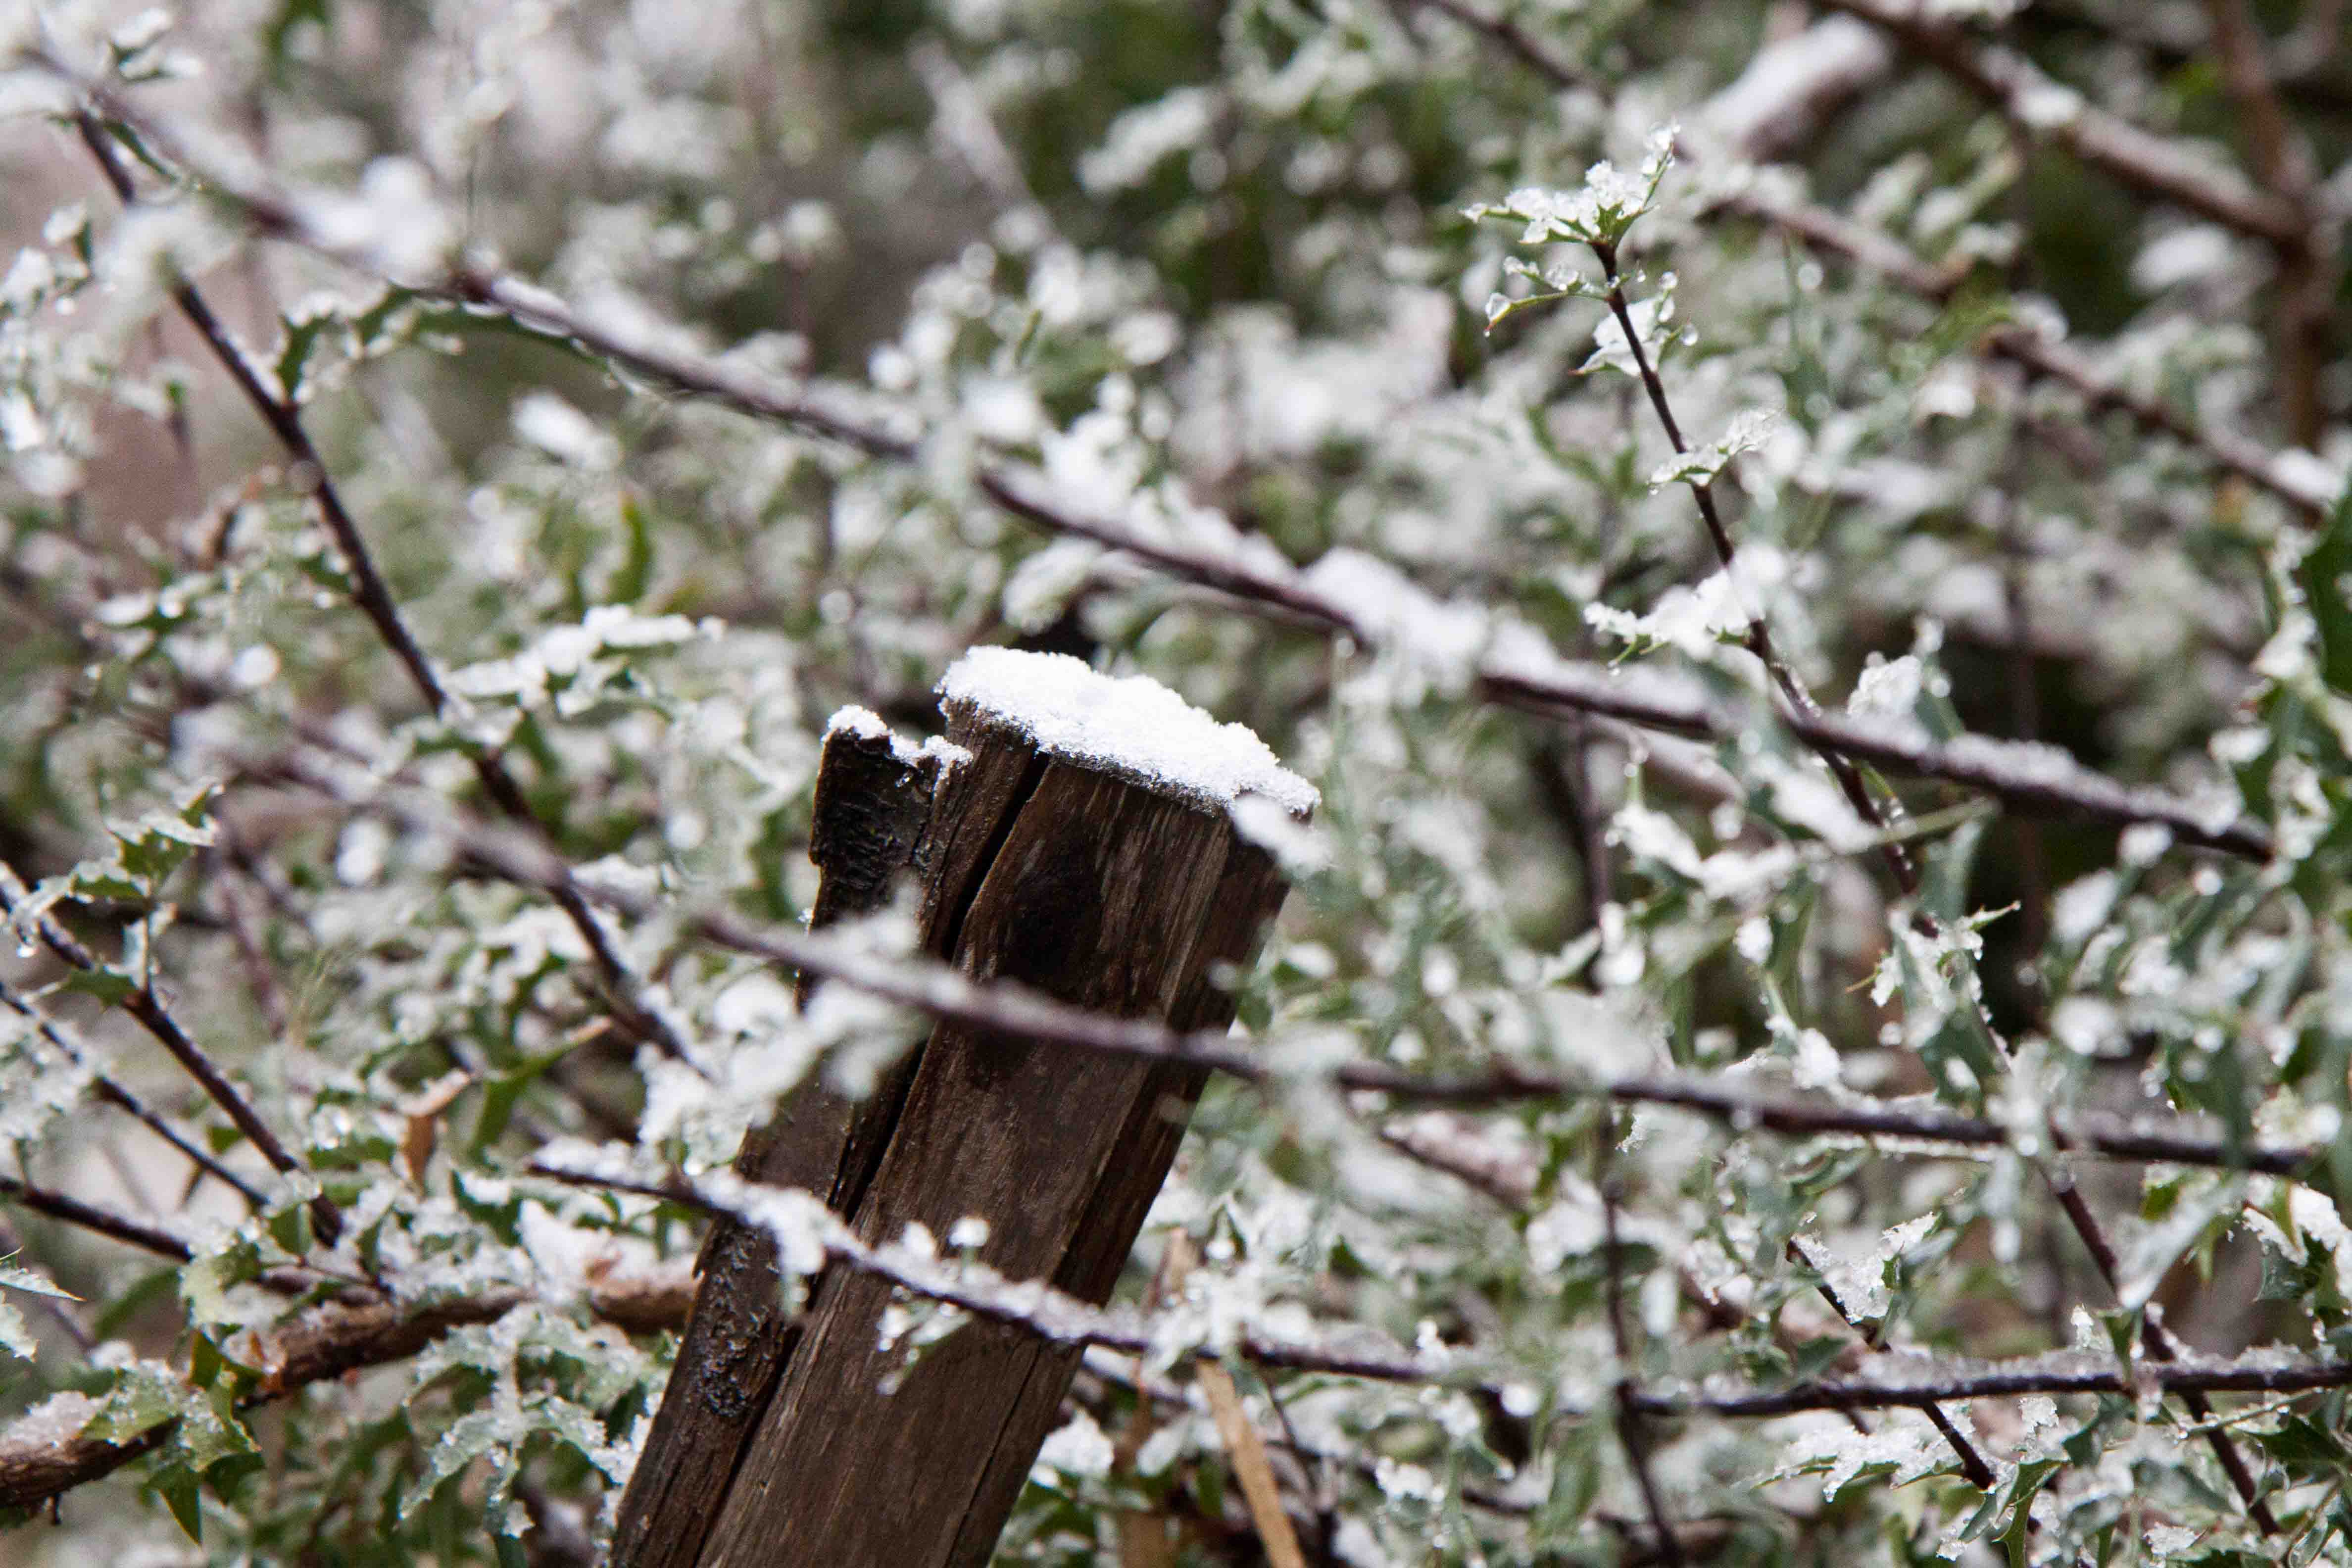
144 1005
113 1093
1629 1435
72 1211
373 596
2283 162
1758 634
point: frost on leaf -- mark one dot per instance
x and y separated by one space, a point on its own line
1610 348
1748 430
1902 1448
1597 213
1864 1285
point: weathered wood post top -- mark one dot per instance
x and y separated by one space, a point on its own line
1131 727
1080 843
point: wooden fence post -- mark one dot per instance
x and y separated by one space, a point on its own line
873 804
1083 847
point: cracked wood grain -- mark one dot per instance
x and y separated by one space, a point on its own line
1100 892
872 808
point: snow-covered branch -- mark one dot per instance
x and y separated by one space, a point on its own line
2048 110
1002 1007
136 995
809 1235
1518 667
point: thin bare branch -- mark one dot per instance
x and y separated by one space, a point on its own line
113 1093
1628 1396
2283 162
143 1005
1244 1450
1759 635
1039 1308
2048 110
1546 61
72 1211
370 593
1002 1007
2161 1349
2180 1379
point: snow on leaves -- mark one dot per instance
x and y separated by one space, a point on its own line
1597 213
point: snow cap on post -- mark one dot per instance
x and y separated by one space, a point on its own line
1130 726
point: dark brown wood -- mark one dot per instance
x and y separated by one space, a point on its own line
873 804
1100 891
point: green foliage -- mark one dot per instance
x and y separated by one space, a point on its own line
1218 277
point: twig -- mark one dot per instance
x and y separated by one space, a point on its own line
2283 162
143 1005
1758 634
960 117
1519 673
2161 1348
260 979
1244 1446
113 1093
1036 1307
1003 1008
370 593
1563 782
1628 1396
72 1211
1547 62
2176 1379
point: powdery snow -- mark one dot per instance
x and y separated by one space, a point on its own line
1130 725
867 725
57 1419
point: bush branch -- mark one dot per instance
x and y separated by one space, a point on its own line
1516 673
370 593
112 1092
1003 1008
72 1211
2048 111
144 1005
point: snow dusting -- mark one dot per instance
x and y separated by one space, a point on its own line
868 725
1130 725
